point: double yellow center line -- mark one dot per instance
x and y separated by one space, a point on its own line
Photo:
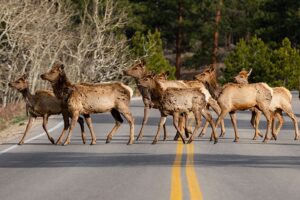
176 183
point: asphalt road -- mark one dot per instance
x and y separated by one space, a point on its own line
168 170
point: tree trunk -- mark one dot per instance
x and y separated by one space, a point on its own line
216 34
179 35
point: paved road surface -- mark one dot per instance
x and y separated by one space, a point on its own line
168 170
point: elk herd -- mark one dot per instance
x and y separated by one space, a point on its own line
182 99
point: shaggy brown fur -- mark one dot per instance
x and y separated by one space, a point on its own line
175 101
87 98
138 71
42 104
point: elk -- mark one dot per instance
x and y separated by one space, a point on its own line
87 98
41 104
139 71
281 102
176 101
232 97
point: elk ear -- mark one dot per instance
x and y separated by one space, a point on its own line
24 76
61 66
249 72
143 61
167 74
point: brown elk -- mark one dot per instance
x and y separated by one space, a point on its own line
175 101
281 102
42 104
139 71
87 98
232 97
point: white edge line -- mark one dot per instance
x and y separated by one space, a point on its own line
33 138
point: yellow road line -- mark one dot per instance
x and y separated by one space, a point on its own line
194 187
176 187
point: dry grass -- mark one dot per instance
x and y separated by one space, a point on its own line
12 114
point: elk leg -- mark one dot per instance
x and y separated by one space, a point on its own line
203 131
145 119
45 122
165 132
280 122
28 126
290 113
128 116
75 116
175 123
89 123
233 121
66 126
162 121
197 115
269 116
209 118
215 106
181 122
81 124
220 118
118 122
256 114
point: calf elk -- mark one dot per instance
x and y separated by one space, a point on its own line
86 98
42 104
281 101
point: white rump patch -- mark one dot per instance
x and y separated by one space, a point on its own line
268 87
128 88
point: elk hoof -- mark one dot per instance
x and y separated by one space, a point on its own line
201 134
58 142
254 138
176 138
210 139
236 140
190 141
139 137
275 137
21 142
296 137
108 139
265 140
165 138
260 135
66 143
216 141
94 142
52 140
154 141
130 142
221 135
84 139
183 141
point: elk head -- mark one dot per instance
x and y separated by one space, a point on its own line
207 75
20 84
243 76
138 70
55 73
147 81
